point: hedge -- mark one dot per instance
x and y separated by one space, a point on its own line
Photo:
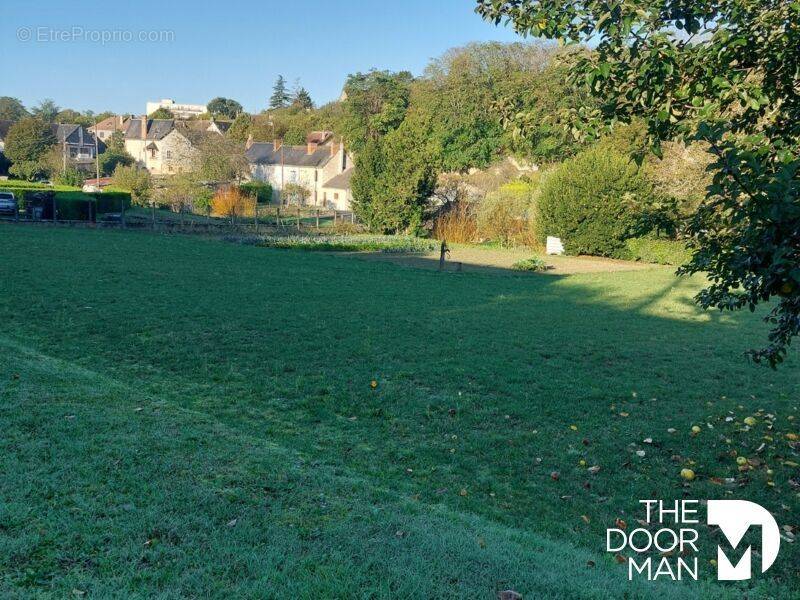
71 203
262 191
657 251
590 202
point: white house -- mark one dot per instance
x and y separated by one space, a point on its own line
179 111
324 170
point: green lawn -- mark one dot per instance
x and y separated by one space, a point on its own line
183 417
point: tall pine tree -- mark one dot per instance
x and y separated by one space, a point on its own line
280 96
302 99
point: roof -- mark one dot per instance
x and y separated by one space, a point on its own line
319 137
110 124
156 128
196 131
5 125
291 156
223 126
340 181
69 133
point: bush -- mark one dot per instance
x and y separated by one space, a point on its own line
592 203
261 190
72 204
507 215
535 264
345 243
230 202
657 251
456 224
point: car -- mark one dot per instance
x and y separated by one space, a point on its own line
8 204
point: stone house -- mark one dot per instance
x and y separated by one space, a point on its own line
167 146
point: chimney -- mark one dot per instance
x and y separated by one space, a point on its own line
276 145
312 147
249 143
144 127
333 149
119 121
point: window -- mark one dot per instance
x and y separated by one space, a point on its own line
73 152
169 153
153 153
335 196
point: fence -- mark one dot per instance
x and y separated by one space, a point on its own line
283 219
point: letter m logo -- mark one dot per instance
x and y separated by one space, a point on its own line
734 518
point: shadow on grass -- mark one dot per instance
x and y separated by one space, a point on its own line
479 379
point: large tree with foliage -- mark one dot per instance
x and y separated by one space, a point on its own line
394 180
11 109
26 146
280 94
302 99
162 113
46 110
224 107
724 72
135 180
376 104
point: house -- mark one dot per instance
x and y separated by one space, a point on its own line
106 128
167 146
179 111
324 170
77 143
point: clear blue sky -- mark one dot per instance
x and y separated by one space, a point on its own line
234 49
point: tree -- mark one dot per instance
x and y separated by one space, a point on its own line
26 146
12 109
722 73
136 181
162 113
240 128
220 159
394 180
295 193
224 107
376 104
280 96
46 110
183 192
302 99
68 115
112 158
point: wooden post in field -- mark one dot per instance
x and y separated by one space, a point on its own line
443 252
353 218
255 210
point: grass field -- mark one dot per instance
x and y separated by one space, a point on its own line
184 417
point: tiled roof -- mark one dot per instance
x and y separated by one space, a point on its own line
291 156
319 137
156 128
340 181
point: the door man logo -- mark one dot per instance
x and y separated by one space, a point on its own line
734 518
678 537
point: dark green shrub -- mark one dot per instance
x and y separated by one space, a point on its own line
535 264
657 251
593 202
260 189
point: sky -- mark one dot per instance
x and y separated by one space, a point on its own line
101 55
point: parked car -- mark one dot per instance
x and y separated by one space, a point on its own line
8 204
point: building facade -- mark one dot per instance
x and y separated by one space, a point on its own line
321 169
179 111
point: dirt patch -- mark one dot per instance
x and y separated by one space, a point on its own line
476 259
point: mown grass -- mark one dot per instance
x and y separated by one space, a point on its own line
184 417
